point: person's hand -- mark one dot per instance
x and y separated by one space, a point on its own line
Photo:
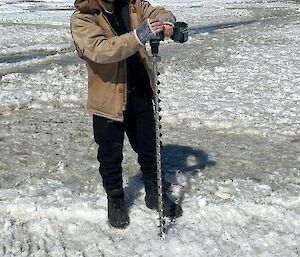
168 30
156 25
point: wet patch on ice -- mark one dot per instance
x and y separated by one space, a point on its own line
213 28
30 56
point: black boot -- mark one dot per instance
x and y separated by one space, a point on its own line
117 211
170 209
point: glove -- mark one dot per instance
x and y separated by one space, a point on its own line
144 32
180 32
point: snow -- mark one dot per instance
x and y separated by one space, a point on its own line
230 106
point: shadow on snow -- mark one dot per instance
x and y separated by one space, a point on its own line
176 159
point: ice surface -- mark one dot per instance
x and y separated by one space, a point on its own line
230 105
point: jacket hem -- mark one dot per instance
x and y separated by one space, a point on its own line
105 115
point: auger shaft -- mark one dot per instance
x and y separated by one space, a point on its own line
180 35
155 60
154 43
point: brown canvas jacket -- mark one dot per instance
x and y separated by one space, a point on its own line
105 53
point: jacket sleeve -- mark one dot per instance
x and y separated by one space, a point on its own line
92 44
159 12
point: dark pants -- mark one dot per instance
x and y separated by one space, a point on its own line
109 135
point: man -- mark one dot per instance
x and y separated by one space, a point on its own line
110 35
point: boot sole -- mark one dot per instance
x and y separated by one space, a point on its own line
118 226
